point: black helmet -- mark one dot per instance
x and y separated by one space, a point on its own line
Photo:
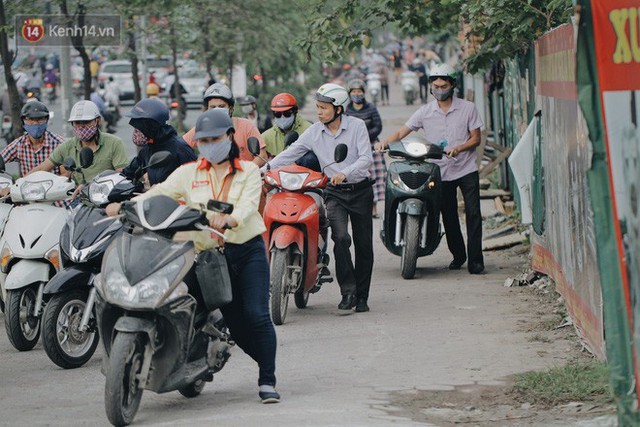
34 110
357 84
213 123
247 100
150 109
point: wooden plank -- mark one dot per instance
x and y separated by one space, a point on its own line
499 205
480 148
488 168
493 193
496 146
503 242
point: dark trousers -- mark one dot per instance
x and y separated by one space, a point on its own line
356 205
470 187
384 95
247 316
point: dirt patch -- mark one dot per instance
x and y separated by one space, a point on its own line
504 402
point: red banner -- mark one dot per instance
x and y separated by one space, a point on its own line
616 26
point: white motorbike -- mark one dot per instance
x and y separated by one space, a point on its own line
30 250
374 87
5 208
410 86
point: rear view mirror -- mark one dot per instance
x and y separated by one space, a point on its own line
254 145
86 157
340 153
221 207
161 158
435 152
290 138
70 164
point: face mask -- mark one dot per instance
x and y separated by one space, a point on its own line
246 109
442 94
36 131
283 122
147 127
215 152
85 134
139 139
357 99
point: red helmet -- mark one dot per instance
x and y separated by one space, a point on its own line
283 102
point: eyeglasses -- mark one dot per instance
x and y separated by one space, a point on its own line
278 114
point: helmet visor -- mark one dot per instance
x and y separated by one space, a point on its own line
322 98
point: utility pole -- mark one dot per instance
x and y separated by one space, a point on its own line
65 80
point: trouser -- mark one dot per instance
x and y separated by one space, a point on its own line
424 91
470 188
384 94
247 316
356 205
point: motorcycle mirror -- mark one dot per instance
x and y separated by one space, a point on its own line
51 115
435 152
290 138
340 153
254 145
218 206
161 158
69 164
86 157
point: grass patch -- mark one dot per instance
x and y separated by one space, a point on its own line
577 381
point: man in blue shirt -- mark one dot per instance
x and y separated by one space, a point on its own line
349 194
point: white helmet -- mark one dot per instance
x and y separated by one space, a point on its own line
442 71
334 94
84 111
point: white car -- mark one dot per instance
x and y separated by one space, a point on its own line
194 80
122 75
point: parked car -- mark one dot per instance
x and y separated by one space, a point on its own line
122 75
194 80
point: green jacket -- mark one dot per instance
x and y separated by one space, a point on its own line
274 137
110 155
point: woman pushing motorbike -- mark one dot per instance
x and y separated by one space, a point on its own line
220 174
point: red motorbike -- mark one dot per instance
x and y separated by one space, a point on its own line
293 241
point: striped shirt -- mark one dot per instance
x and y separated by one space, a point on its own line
21 150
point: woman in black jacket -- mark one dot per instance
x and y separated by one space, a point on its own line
152 134
361 109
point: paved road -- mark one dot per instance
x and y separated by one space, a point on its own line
441 329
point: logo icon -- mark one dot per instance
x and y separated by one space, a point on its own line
33 30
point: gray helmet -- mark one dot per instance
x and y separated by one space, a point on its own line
357 84
34 110
84 111
213 123
218 90
247 100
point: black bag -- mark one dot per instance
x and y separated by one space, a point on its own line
213 278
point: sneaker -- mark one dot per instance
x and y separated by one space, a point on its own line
476 268
456 264
269 396
348 302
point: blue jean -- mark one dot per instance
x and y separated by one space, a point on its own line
247 316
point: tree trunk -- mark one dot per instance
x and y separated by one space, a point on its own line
78 44
133 57
177 95
7 60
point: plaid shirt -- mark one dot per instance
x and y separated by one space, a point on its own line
21 150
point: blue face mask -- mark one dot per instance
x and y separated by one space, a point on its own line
36 131
215 152
284 123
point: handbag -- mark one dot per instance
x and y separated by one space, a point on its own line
213 277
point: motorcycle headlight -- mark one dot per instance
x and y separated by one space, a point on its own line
292 181
99 193
314 183
7 256
147 293
35 190
397 181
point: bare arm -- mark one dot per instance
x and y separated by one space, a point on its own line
469 144
395 136
46 166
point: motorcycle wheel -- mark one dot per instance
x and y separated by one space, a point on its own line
279 288
23 329
122 392
65 344
193 389
409 256
301 298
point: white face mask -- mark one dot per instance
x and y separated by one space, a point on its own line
246 109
